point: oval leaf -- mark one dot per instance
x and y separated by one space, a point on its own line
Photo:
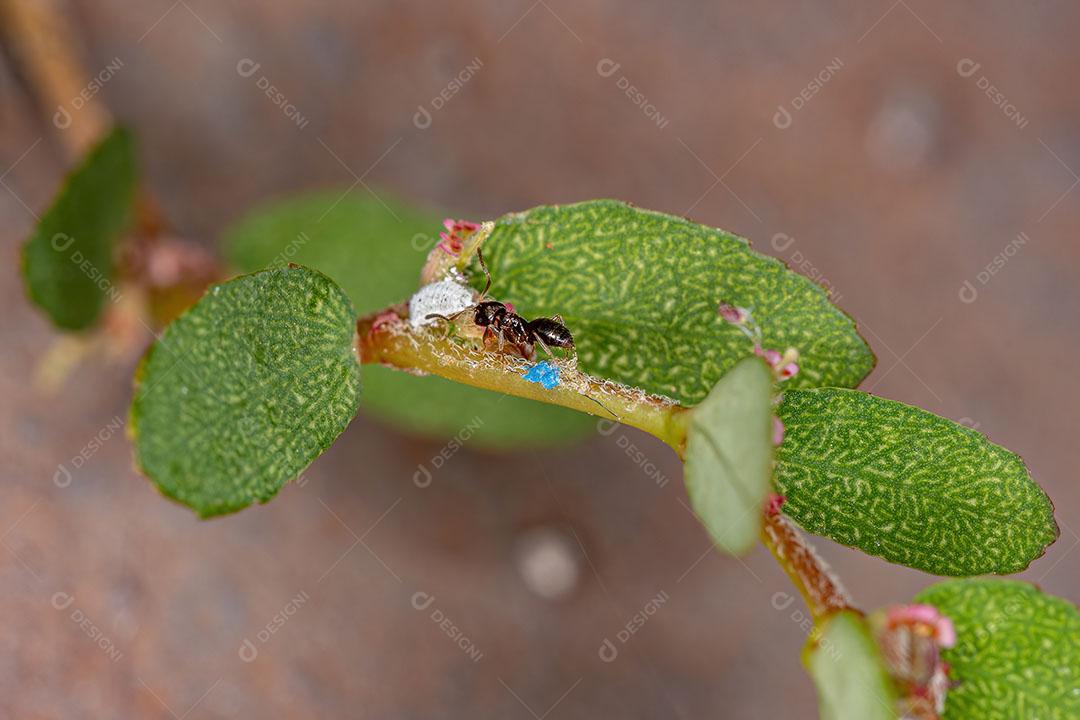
67 262
729 454
1017 653
847 669
375 252
640 291
908 486
245 389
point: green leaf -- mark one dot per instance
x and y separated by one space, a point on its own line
375 252
908 486
1017 654
640 292
67 263
729 454
847 669
246 388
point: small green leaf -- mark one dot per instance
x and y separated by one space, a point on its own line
246 388
375 252
67 262
847 669
1017 654
908 486
729 455
640 291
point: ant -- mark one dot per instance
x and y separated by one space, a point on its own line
502 323
499 320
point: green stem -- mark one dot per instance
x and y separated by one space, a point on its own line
387 338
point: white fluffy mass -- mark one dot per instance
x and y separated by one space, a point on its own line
444 297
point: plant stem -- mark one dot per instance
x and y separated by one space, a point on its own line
46 46
815 580
386 338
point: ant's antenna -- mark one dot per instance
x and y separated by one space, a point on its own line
487 274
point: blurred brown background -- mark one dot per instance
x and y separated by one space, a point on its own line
897 181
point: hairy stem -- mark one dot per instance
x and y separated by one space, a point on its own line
386 338
815 580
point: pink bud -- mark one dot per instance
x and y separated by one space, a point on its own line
789 371
777 431
774 503
450 244
946 632
734 315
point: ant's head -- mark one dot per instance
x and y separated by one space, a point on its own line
489 313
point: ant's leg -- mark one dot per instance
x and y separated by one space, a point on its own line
546 349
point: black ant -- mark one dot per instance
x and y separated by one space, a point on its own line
509 328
